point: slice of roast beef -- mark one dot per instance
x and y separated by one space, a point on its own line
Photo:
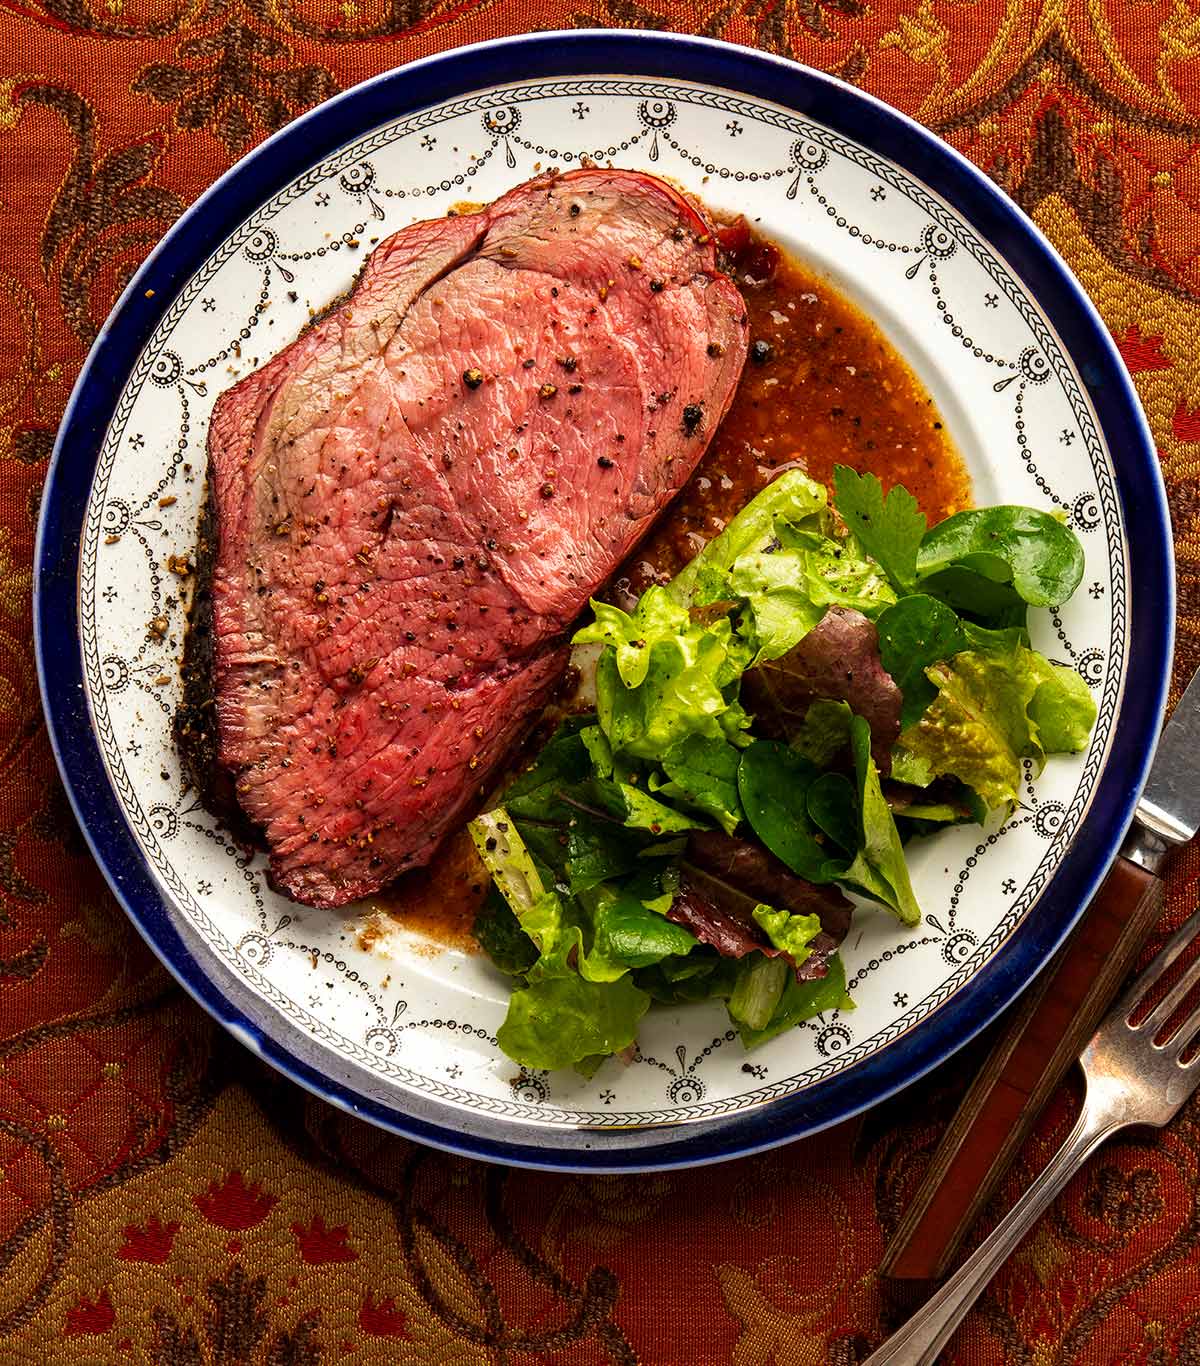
414 501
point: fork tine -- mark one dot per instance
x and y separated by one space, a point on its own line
1171 1001
1177 1044
1161 962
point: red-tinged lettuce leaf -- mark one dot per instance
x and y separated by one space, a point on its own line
723 880
838 659
728 928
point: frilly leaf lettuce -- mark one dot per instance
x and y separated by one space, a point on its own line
788 587
997 703
505 856
792 498
1062 709
666 677
789 933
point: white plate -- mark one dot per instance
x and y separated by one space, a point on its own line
999 335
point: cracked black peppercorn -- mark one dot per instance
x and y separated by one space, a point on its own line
692 416
761 352
472 378
604 462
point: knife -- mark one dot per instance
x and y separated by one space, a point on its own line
1055 1018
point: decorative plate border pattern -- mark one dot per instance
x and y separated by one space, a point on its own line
159 366
470 73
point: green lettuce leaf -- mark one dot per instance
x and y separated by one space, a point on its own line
665 676
801 1001
1062 710
793 498
559 1021
628 932
997 703
879 870
757 990
787 588
506 857
788 932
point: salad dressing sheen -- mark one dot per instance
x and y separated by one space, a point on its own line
822 386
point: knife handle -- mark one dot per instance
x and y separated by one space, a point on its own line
1043 1036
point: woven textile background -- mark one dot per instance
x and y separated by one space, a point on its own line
165 1199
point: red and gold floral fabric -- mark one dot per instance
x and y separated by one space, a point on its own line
163 1198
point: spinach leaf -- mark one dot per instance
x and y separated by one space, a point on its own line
535 793
916 632
977 598
1035 552
596 852
702 773
833 809
888 529
773 783
702 976
501 937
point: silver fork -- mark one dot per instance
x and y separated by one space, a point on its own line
1130 1079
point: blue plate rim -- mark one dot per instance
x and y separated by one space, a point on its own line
856 116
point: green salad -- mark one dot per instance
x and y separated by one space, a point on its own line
770 729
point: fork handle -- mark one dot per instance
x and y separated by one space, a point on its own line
920 1340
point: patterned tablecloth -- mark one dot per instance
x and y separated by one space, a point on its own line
163 1197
